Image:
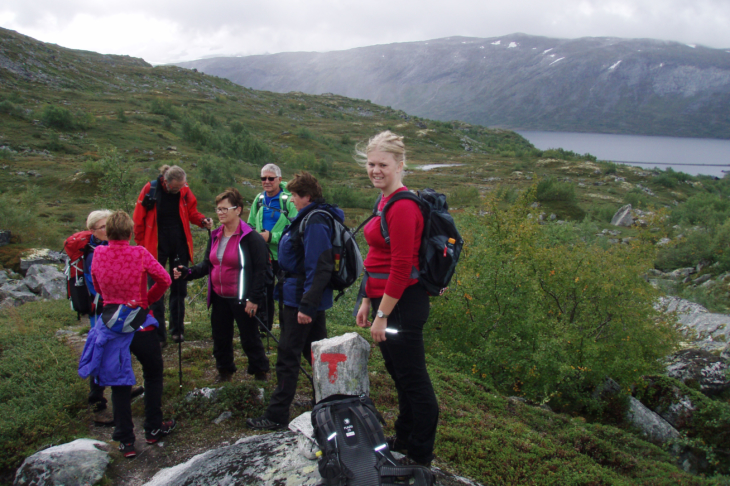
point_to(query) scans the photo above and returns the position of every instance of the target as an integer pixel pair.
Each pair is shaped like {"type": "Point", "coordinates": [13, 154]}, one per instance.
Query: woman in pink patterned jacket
{"type": "Point", "coordinates": [120, 273]}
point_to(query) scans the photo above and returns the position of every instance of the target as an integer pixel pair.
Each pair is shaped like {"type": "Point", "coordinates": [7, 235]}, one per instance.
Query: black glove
{"type": "Point", "coordinates": [184, 272]}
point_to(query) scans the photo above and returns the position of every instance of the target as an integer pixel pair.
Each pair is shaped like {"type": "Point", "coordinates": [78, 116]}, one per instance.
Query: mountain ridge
{"type": "Point", "coordinates": [518, 81]}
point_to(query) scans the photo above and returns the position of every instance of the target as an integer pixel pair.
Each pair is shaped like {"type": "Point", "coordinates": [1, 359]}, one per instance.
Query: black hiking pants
{"type": "Point", "coordinates": [146, 347]}
{"type": "Point", "coordinates": [295, 340]}
{"type": "Point", "coordinates": [405, 360]}
{"type": "Point", "coordinates": [223, 313]}
{"type": "Point", "coordinates": [172, 250]}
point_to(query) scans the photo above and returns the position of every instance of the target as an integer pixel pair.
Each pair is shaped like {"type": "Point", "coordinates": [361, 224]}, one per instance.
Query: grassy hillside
{"type": "Point", "coordinates": [61, 110]}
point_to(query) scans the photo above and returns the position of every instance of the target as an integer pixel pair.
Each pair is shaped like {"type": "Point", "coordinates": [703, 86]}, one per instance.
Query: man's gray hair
{"type": "Point", "coordinates": [271, 168]}
{"type": "Point", "coordinates": [173, 173]}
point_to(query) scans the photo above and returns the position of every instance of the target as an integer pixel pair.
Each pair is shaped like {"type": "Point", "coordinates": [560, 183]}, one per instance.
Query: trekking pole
{"type": "Point", "coordinates": [268, 331]}
{"type": "Point", "coordinates": [179, 343]}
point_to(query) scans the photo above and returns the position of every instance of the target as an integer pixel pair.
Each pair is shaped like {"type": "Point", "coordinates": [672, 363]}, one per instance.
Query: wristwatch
{"type": "Point", "coordinates": [380, 314]}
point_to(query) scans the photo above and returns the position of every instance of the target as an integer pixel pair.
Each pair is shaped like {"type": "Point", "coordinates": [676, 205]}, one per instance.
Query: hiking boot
{"type": "Point", "coordinates": [223, 377]}
{"type": "Point", "coordinates": [178, 338]}
{"type": "Point", "coordinates": [263, 423]}
{"type": "Point", "coordinates": [97, 407]}
{"type": "Point", "coordinates": [409, 461]}
{"type": "Point", "coordinates": [261, 376]}
{"type": "Point", "coordinates": [136, 391]}
{"type": "Point", "coordinates": [127, 450]}
{"type": "Point", "coordinates": [164, 430]}
{"type": "Point", "coordinates": [395, 444]}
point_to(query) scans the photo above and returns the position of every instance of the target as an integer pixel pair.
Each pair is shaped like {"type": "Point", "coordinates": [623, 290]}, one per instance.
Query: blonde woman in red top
{"type": "Point", "coordinates": [397, 302]}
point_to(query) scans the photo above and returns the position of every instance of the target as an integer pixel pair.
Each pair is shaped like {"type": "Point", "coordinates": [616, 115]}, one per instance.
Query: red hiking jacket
{"type": "Point", "coordinates": [145, 222]}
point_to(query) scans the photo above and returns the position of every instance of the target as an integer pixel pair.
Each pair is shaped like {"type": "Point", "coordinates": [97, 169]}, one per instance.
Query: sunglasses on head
{"type": "Point", "coordinates": [270, 179]}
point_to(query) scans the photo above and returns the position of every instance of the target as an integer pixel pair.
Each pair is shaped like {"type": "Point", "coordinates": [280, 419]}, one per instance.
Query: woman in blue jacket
{"type": "Point", "coordinates": [306, 257]}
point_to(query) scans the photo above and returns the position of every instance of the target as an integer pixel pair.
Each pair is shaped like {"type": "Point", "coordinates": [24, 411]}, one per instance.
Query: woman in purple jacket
{"type": "Point", "coordinates": [235, 261]}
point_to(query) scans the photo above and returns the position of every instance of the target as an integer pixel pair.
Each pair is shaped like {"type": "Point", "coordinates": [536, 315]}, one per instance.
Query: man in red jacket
{"type": "Point", "coordinates": [162, 216]}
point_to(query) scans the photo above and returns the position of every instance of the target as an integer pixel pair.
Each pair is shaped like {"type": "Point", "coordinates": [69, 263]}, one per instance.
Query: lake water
{"type": "Point", "coordinates": [691, 155]}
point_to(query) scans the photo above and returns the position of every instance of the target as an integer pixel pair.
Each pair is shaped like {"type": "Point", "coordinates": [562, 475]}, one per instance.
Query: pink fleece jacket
{"type": "Point", "coordinates": [120, 273]}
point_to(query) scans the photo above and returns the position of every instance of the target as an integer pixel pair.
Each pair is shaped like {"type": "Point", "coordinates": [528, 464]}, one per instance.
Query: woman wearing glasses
{"type": "Point", "coordinates": [235, 261]}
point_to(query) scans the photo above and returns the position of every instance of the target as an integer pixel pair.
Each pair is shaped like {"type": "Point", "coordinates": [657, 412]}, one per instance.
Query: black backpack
{"type": "Point", "coordinates": [354, 451]}
{"type": "Point", "coordinates": [347, 256]}
{"type": "Point", "coordinates": [441, 243]}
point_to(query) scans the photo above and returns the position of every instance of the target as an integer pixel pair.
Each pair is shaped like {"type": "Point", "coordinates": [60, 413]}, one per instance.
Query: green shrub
{"type": "Point", "coordinates": [464, 196]}
{"type": "Point", "coordinates": [164, 107]}
{"type": "Point", "coordinates": [118, 187]}
{"type": "Point", "coordinates": [550, 189]}
{"type": "Point", "coordinates": [57, 117]}
{"type": "Point", "coordinates": [507, 193]}
{"type": "Point", "coordinates": [637, 198]}
{"type": "Point", "coordinates": [121, 116]}
{"type": "Point", "coordinates": [538, 317]}
{"type": "Point", "coordinates": [304, 133]}
{"type": "Point", "coordinates": [603, 214]}
{"type": "Point", "coordinates": [9, 108]}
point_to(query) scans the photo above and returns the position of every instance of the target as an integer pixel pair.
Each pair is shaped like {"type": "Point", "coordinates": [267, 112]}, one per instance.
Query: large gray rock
{"type": "Point", "coordinates": [268, 459]}
{"type": "Point", "coordinates": [623, 217]}
{"type": "Point", "coordinates": [340, 366]}
{"type": "Point", "coordinates": [655, 428]}
{"type": "Point", "coordinates": [15, 293]}
{"type": "Point", "coordinates": [39, 256]}
{"type": "Point", "coordinates": [81, 462]}
{"type": "Point", "coordinates": [38, 276]}
{"type": "Point", "coordinates": [699, 368]}
{"type": "Point", "coordinates": [706, 330]}
{"type": "Point", "coordinates": [257, 460]}
{"type": "Point", "coordinates": [3, 277]}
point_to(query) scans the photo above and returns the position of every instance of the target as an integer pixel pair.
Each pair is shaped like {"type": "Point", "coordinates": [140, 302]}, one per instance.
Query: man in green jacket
{"type": "Point", "coordinates": [270, 214]}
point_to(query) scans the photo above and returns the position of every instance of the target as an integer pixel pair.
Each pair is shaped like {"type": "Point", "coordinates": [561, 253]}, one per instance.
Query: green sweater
{"type": "Point", "coordinates": [256, 217]}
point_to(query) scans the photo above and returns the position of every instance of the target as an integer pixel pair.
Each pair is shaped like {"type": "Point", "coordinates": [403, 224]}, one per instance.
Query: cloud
{"type": "Point", "coordinates": [167, 31]}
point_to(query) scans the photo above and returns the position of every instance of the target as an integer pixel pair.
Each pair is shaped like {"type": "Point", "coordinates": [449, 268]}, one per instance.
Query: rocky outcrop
{"type": "Point", "coordinates": [708, 331]}
{"type": "Point", "coordinates": [257, 460]}
{"type": "Point", "coordinates": [5, 237]}
{"type": "Point", "coordinates": [340, 366]}
{"type": "Point", "coordinates": [81, 462]}
{"type": "Point", "coordinates": [699, 368]}
{"type": "Point", "coordinates": [40, 256]}
{"type": "Point", "coordinates": [14, 293]}
{"type": "Point", "coordinates": [655, 428]}
{"type": "Point", "coordinates": [623, 217]}
{"type": "Point", "coordinates": [47, 281]}
{"type": "Point", "coordinates": [41, 282]}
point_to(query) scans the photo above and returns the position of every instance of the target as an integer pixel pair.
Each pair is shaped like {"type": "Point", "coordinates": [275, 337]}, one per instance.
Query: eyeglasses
{"type": "Point", "coordinates": [224, 210]}
{"type": "Point", "coordinates": [270, 179]}
{"type": "Point", "coordinates": [100, 228]}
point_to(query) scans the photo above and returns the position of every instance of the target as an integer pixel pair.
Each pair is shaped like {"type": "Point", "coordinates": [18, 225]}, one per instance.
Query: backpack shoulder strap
{"type": "Point", "coordinates": [259, 201]}
{"type": "Point", "coordinates": [153, 188]}
{"type": "Point", "coordinates": [374, 214]}
{"type": "Point", "coordinates": [283, 200]}
{"type": "Point", "coordinates": [305, 220]}
{"type": "Point", "coordinates": [398, 196]}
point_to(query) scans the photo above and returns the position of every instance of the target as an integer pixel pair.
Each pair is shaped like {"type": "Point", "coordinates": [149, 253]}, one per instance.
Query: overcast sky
{"type": "Point", "coordinates": [162, 31]}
